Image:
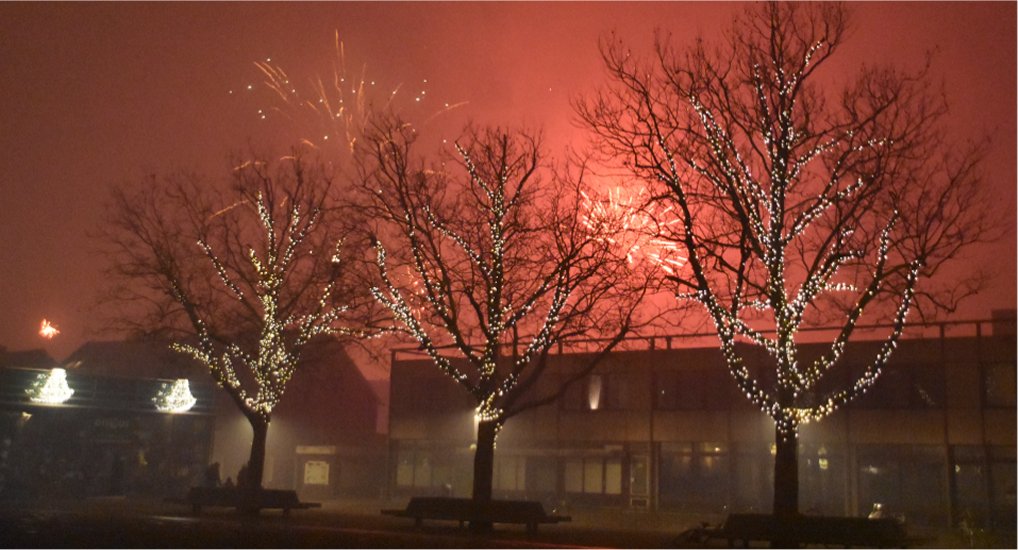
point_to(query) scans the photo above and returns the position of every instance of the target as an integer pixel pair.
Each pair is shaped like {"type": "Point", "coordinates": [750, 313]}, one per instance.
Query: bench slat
{"type": "Point", "coordinates": [525, 512]}
{"type": "Point", "coordinates": [232, 497]}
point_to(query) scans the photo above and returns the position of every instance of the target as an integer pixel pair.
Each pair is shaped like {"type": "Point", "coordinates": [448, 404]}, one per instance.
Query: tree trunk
{"type": "Point", "coordinates": [255, 468]}
{"type": "Point", "coordinates": [786, 472]}
{"type": "Point", "coordinates": [484, 468]}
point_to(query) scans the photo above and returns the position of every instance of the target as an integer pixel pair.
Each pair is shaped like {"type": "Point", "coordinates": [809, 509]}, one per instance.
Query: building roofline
{"type": "Point", "coordinates": [914, 331]}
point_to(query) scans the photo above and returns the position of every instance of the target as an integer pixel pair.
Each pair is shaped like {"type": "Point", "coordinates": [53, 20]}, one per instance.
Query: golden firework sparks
{"type": "Point", "coordinates": [635, 227]}
{"type": "Point", "coordinates": [336, 109]}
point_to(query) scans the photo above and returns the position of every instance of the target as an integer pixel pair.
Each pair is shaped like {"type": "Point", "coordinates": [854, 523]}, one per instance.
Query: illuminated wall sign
{"type": "Point", "coordinates": [50, 387]}
{"type": "Point", "coordinates": [175, 397]}
{"type": "Point", "coordinates": [316, 472]}
{"type": "Point", "coordinates": [316, 449]}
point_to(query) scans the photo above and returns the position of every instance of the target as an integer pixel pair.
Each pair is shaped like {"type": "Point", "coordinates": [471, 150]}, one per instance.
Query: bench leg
{"type": "Point", "coordinates": [418, 522]}
{"type": "Point", "coordinates": [532, 529]}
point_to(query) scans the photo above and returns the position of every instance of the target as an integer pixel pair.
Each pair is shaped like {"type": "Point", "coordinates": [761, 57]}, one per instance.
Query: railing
{"type": "Point", "coordinates": [973, 328]}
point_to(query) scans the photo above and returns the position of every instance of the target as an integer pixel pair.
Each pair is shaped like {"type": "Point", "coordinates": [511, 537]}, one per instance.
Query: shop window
{"type": "Point", "coordinates": [613, 477]}
{"type": "Point", "coordinates": [542, 474]}
{"type": "Point", "coordinates": [906, 480]}
{"type": "Point", "coordinates": [405, 470]}
{"type": "Point", "coordinates": [414, 468]}
{"type": "Point", "coordinates": [510, 473]}
{"type": "Point", "coordinates": [968, 476]}
{"type": "Point", "coordinates": [1002, 488]}
{"type": "Point", "coordinates": [694, 476]}
{"type": "Point", "coordinates": [594, 475]}
{"type": "Point", "coordinates": [574, 476]}
{"type": "Point", "coordinates": [753, 475]}
{"type": "Point", "coordinates": [422, 470]}
{"type": "Point", "coordinates": [822, 471]}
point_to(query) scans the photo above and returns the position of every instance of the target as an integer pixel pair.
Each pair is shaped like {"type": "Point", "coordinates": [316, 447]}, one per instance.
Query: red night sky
{"type": "Point", "coordinates": [98, 94]}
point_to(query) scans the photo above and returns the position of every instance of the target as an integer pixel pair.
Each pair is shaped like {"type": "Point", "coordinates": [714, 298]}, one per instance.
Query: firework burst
{"type": "Point", "coordinates": [334, 111]}
{"type": "Point", "coordinates": [635, 227]}
{"type": "Point", "coordinates": [48, 330]}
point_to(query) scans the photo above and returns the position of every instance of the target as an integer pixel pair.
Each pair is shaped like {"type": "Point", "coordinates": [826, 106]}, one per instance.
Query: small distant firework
{"type": "Point", "coordinates": [336, 110]}
{"type": "Point", "coordinates": [635, 227]}
{"type": "Point", "coordinates": [48, 330]}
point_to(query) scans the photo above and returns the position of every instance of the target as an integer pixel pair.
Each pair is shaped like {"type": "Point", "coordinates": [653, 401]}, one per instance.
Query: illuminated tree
{"type": "Point", "coordinates": [488, 266]}
{"type": "Point", "coordinates": [242, 278]}
{"type": "Point", "coordinates": [799, 198]}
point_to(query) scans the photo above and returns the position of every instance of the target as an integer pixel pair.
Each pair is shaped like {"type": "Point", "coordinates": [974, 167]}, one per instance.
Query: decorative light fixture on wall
{"type": "Point", "coordinates": [594, 387]}
{"type": "Point", "coordinates": [175, 397]}
{"type": "Point", "coordinates": [50, 387]}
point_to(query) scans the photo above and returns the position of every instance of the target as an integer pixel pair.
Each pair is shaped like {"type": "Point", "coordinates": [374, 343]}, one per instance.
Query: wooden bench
{"type": "Point", "coordinates": [249, 500]}
{"type": "Point", "coordinates": [464, 510]}
{"type": "Point", "coordinates": [802, 530]}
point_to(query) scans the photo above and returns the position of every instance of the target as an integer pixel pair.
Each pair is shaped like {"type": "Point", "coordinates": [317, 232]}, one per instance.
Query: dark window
{"type": "Point", "coordinates": [905, 480]}
{"type": "Point", "coordinates": [1002, 488]}
{"type": "Point", "coordinates": [753, 481]}
{"type": "Point", "coordinates": [427, 391]}
{"type": "Point", "coordinates": [575, 398]}
{"type": "Point", "coordinates": [906, 386]}
{"type": "Point", "coordinates": [999, 384]}
{"type": "Point", "coordinates": [694, 389]}
{"type": "Point", "coordinates": [969, 485]}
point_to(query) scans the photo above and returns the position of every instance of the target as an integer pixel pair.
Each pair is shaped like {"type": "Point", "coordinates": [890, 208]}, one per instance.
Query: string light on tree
{"type": "Point", "coordinates": [277, 261]}
{"type": "Point", "coordinates": [488, 282]}
{"type": "Point", "coordinates": [788, 205]}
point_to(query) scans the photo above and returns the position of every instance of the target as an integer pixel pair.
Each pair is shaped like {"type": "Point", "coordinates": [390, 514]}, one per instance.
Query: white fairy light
{"type": "Point", "coordinates": [281, 338]}
{"type": "Point", "coordinates": [425, 293]}
{"type": "Point", "coordinates": [50, 388]}
{"type": "Point", "coordinates": [772, 231]}
{"type": "Point", "coordinates": [175, 397]}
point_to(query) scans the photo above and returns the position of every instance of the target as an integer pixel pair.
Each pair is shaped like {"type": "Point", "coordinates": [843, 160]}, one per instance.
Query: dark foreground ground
{"type": "Point", "coordinates": [134, 523]}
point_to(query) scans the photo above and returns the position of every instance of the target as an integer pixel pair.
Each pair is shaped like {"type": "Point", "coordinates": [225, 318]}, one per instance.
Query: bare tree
{"type": "Point", "coordinates": [240, 277]}
{"type": "Point", "coordinates": [796, 196]}
{"type": "Point", "coordinates": [495, 262]}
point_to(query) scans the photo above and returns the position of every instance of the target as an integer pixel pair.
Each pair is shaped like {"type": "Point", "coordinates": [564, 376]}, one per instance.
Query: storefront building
{"type": "Point", "coordinates": [66, 433]}
{"type": "Point", "coordinates": [661, 426]}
